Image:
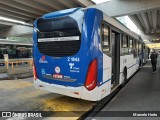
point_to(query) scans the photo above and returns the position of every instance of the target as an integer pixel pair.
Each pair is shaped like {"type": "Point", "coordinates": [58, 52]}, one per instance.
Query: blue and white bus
{"type": "Point", "coordinates": [83, 53]}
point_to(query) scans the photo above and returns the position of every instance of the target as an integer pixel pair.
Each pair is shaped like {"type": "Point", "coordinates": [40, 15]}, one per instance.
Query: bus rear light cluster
{"type": "Point", "coordinates": [34, 72]}
{"type": "Point", "coordinates": [91, 79]}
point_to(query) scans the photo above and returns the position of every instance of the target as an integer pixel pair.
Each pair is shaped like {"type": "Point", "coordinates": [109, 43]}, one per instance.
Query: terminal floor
{"type": "Point", "coordinates": [20, 95]}
{"type": "Point", "coordinates": [141, 93]}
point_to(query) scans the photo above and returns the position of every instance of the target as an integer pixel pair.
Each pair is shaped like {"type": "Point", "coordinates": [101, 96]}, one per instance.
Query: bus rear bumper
{"type": "Point", "coordinates": [76, 92]}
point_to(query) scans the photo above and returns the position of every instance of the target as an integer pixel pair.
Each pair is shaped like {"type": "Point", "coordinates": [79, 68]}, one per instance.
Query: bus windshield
{"type": "Point", "coordinates": [60, 27]}
{"type": "Point", "coordinates": [59, 37]}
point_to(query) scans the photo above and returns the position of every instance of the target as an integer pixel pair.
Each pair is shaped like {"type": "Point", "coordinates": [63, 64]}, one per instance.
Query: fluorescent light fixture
{"type": "Point", "coordinates": [145, 40]}
{"type": "Point", "coordinates": [100, 1]}
{"type": "Point", "coordinates": [11, 20]}
{"type": "Point", "coordinates": [154, 45]}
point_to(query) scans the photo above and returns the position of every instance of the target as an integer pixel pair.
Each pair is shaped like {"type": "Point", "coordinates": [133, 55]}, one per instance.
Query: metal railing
{"type": "Point", "coordinates": [17, 62]}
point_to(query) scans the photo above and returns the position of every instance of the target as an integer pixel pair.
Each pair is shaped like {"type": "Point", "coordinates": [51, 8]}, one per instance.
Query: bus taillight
{"type": "Point", "coordinates": [91, 79]}
{"type": "Point", "coordinates": [34, 72]}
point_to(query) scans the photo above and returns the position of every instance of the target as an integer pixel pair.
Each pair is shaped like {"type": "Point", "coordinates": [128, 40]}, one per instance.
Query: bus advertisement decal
{"type": "Point", "coordinates": [73, 68]}
{"type": "Point", "coordinates": [43, 60]}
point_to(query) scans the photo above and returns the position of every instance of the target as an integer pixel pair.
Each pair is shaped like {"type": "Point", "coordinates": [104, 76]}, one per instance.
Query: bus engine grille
{"type": "Point", "coordinates": [59, 48]}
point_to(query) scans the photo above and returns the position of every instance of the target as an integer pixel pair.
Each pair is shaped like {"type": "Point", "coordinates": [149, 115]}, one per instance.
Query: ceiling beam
{"type": "Point", "coordinates": [150, 21]}
{"type": "Point", "coordinates": [150, 37]}
{"type": "Point", "coordinates": [154, 20]}
{"type": "Point", "coordinates": [142, 23]}
{"type": "Point", "coordinates": [51, 3]}
{"type": "Point", "coordinates": [15, 10]}
{"type": "Point", "coordinates": [35, 5]}
{"type": "Point", "coordinates": [14, 17]}
{"type": "Point", "coordinates": [146, 22]}
{"type": "Point", "coordinates": [116, 8]}
{"type": "Point", "coordinates": [84, 3]}
{"type": "Point", "coordinates": [158, 20]}
{"type": "Point", "coordinates": [21, 6]}
{"type": "Point", "coordinates": [67, 3]}
{"type": "Point", "coordinates": [136, 21]}
{"type": "Point", "coordinates": [17, 15]}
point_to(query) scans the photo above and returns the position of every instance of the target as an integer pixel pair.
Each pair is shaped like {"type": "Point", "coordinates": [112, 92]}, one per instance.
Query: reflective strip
{"type": "Point", "coordinates": [59, 39]}
{"type": "Point", "coordinates": [104, 82]}
{"type": "Point", "coordinates": [132, 65]}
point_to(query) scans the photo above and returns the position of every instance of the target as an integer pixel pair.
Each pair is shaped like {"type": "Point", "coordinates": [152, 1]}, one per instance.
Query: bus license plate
{"type": "Point", "coordinates": [57, 76]}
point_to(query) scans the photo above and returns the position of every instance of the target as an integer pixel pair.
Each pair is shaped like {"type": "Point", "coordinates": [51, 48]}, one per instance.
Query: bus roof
{"type": "Point", "coordinates": [60, 13]}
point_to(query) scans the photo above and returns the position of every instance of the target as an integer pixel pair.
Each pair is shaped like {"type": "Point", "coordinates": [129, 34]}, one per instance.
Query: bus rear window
{"type": "Point", "coordinates": [58, 37]}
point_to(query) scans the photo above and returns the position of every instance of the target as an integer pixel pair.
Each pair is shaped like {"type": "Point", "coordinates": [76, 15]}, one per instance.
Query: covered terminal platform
{"type": "Point", "coordinates": [138, 99]}
{"type": "Point", "coordinates": [140, 95]}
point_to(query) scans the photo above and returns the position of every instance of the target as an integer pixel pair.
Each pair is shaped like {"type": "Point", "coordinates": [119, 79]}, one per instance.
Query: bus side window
{"type": "Point", "coordinates": [137, 48]}
{"type": "Point", "coordinates": [130, 45]}
{"type": "Point", "coordinates": [105, 40]}
{"type": "Point", "coordinates": [140, 48]}
{"type": "Point", "coordinates": [134, 48]}
{"type": "Point", "coordinates": [124, 45]}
